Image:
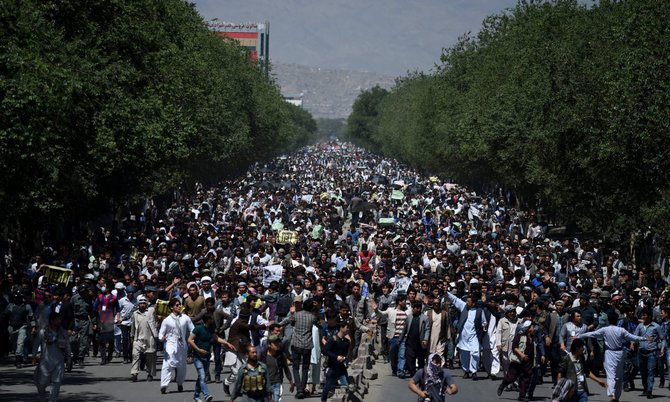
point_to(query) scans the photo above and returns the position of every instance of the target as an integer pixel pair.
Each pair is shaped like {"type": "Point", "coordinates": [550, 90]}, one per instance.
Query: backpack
{"type": "Point", "coordinates": [284, 302]}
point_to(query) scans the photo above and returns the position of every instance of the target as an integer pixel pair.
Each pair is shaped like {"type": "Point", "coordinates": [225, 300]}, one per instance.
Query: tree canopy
{"type": "Point", "coordinates": [111, 100]}
{"type": "Point", "coordinates": [556, 100]}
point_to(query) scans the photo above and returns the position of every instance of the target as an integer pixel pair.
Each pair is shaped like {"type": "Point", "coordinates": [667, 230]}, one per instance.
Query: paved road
{"type": "Point", "coordinates": [392, 389]}
{"type": "Point", "coordinates": [107, 384]}
{"type": "Point", "coordinates": [111, 383]}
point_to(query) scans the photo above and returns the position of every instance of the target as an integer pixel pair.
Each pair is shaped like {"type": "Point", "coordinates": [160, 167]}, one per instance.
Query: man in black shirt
{"type": "Point", "coordinates": [277, 367]}
{"type": "Point", "coordinates": [415, 336]}
{"type": "Point", "coordinates": [337, 349]}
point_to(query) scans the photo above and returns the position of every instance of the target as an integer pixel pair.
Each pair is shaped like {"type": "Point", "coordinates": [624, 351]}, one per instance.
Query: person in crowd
{"type": "Point", "coordinates": [505, 337]}
{"type": "Point", "coordinates": [82, 304]}
{"type": "Point", "coordinates": [42, 311]}
{"type": "Point", "coordinates": [143, 336]}
{"type": "Point", "coordinates": [19, 314]}
{"type": "Point", "coordinates": [240, 337]}
{"type": "Point", "coordinates": [439, 325]}
{"type": "Point", "coordinates": [385, 301]}
{"type": "Point", "coordinates": [55, 352]}
{"type": "Point", "coordinates": [555, 326]}
{"type": "Point", "coordinates": [522, 359]}
{"type": "Point", "coordinates": [433, 381]}
{"type": "Point", "coordinates": [471, 328]}
{"type": "Point", "coordinates": [571, 329]}
{"type": "Point", "coordinates": [650, 349]}
{"type": "Point", "coordinates": [573, 367]}
{"type": "Point", "coordinates": [336, 351]}
{"type": "Point", "coordinates": [302, 320]}
{"type": "Point", "coordinates": [615, 340]}
{"type": "Point", "coordinates": [277, 365]}
{"type": "Point", "coordinates": [126, 307]}
{"type": "Point", "coordinates": [276, 232]}
{"type": "Point", "coordinates": [194, 303]}
{"type": "Point", "coordinates": [629, 322]}
{"type": "Point", "coordinates": [62, 305]}
{"type": "Point", "coordinates": [252, 380]}
{"type": "Point", "coordinates": [201, 339]}
{"type": "Point", "coordinates": [490, 354]}
{"type": "Point", "coordinates": [174, 331]}
{"type": "Point", "coordinates": [415, 335]}
{"type": "Point", "coordinates": [315, 368]}
{"type": "Point", "coordinates": [105, 307]}
{"type": "Point", "coordinates": [397, 318]}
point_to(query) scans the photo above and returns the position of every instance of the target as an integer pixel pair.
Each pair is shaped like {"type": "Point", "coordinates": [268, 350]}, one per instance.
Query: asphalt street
{"type": "Point", "coordinates": [112, 383]}
{"type": "Point", "coordinates": [393, 389]}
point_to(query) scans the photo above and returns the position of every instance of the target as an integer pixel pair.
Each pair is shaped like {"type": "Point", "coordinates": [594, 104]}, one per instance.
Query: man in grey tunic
{"type": "Point", "coordinates": [55, 345]}
{"type": "Point", "coordinates": [615, 340]}
{"type": "Point", "coordinates": [143, 335]}
{"type": "Point", "coordinates": [571, 329]}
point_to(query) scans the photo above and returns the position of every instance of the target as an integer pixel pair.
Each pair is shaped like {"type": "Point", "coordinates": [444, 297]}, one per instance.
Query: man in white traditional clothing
{"type": "Point", "coordinates": [615, 341]}
{"type": "Point", "coordinates": [471, 325]}
{"type": "Point", "coordinates": [143, 334]}
{"type": "Point", "coordinates": [174, 331]}
{"type": "Point", "coordinates": [55, 344]}
{"type": "Point", "coordinates": [490, 354]}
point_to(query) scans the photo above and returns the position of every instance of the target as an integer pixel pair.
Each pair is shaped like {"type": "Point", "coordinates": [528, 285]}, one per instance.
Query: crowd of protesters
{"type": "Point", "coordinates": [447, 277]}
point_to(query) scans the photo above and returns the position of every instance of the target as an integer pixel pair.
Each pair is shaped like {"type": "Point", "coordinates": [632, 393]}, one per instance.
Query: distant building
{"type": "Point", "coordinates": [253, 36]}
{"type": "Point", "coordinates": [294, 99]}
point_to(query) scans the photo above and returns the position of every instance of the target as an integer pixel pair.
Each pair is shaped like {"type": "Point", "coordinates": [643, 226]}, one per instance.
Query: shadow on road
{"type": "Point", "coordinates": [70, 397]}
{"type": "Point", "coordinates": [24, 377]}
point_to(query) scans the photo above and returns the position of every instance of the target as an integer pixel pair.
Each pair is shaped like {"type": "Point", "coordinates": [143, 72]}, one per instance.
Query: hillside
{"type": "Point", "coordinates": [326, 93]}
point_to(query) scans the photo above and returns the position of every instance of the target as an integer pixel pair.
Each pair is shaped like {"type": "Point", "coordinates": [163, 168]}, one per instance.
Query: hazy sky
{"type": "Point", "coordinates": [384, 36]}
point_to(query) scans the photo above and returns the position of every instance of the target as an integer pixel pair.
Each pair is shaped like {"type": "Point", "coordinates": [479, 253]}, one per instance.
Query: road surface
{"type": "Point", "coordinates": [112, 383]}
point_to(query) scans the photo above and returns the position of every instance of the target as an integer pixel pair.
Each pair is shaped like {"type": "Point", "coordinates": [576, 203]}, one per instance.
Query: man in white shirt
{"type": "Point", "coordinates": [175, 330]}
{"type": "Point", "coordinates": [126, 307]}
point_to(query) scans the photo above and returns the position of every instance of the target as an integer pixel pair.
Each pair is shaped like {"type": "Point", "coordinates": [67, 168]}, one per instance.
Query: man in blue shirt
{"type": "Point", "coordinates": [649, 350]}
{"type": "Point", "coordinates": [354, 233]}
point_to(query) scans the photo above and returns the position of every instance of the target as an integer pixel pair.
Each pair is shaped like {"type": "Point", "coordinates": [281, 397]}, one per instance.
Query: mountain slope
{"type": "Point", "coordinates": [326, 93]}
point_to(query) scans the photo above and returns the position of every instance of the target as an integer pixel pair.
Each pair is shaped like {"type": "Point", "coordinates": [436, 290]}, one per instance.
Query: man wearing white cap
{"type": "Point", "coordinates": [143, 334]}
{"type": "Point", "coordinates": [206, 290]}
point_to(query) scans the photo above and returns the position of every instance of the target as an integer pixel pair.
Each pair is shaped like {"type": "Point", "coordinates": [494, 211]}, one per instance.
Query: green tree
{"type": "Point", "coordinates": [363, 121]}
{"type": "Point", "coordinates": [556, 100]}
{"type": "Point", "coordinates": [109, 101]}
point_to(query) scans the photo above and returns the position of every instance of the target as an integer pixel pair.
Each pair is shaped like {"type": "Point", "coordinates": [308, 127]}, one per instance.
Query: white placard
{"type": "Point", "coordinates": [272, 273]}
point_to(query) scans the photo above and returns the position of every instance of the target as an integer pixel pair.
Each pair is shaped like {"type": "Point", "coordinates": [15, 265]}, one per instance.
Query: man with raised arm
{"type": "Point", "coordinates": [615, 339]}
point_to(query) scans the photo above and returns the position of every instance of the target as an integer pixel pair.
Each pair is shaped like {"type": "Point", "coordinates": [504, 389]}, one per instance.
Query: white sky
{"type": "Point", "coordinates": [383, 36]}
